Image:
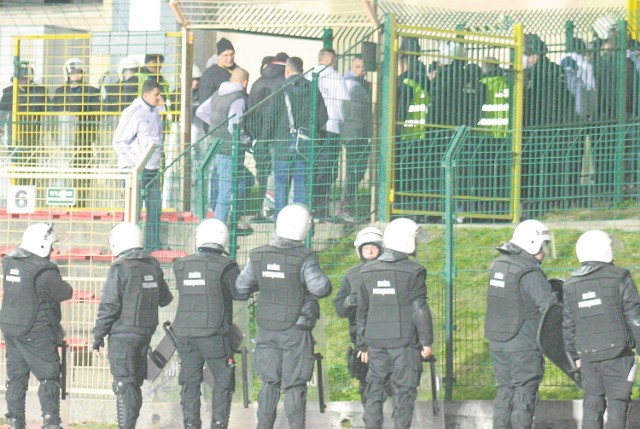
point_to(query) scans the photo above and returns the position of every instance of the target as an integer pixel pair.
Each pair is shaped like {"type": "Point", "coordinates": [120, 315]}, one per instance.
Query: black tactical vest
{"type": "Point", "coordinates": [389, 322]}
{"type": "Point", "coordinates": [141, 295]}
{"type": "Point", "coordinates": [201, 308]}
{"type": "Point", "coordinates": [281, 288]}
{"type": "Point", "coordinates": [601, 332]}
{"type": "Point", "coordinates": [220, 106]}
{"type": "Point", "coordinates": [20, 302]}
{"type": "Point", "coordinates": [355, 281]}
{"type": "Point", "coordinates": [505, 312]}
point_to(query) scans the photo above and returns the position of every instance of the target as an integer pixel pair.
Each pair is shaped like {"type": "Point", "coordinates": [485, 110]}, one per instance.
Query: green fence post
{"type": "Point", "coordinates": [387, 118]}
{"type": "Point", "coordinates": [201, 172]}
{"type": "Point", "coordinates": [312, 153]}
{"type": "Point", "coordinates": [568, 35]}
{"type": "Point", "coordinates": [449, 263]}
{"type": "Point", "coordinates": [233, 204]}
{"type": "Point", "coordinates": [621, 111]}
{"type": "Point", "coordinates": [327, 38]}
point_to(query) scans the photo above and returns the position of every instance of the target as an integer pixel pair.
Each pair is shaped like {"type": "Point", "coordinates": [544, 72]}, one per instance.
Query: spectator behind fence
{"type": "Point", "coordinates": [128, 314]}
{"type": "Point", "coordinates": [581, 82]}
{"type": "Point", "coordinates": [152, 71]}
{"type": "Point", "coordinates": [140, 126]}
{"type": "Point", "coordinates": [292, 111]}
{"type": "Point", "coordinates": [263, 123]}
{"type": "Point", "coordinates": [518, 294]}
{"type": "Point", "coordinates": [122, 93]}
{"type": "Point", "coordinates": [220, 71]}
{"type": "Point", "coordinates": [78, 104]}
{"type": "Point", "coordinates": [227, 106]}
{"type": "Point", "coordinates": [334, 92]}
{"type": "Point", "coordinates": [357, 130]}
{"type": "Point", "coordinates": [32, 98]}
{"type": "Point", "coordinates": [30, 321]}
{"type": "Point", "coordinates": [290, 281]}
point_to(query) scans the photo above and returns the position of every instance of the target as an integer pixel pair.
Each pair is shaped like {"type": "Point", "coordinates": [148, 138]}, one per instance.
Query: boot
{"type": "Point", "coordinates": [14, 423]}
{"type": "Point", "coordinates": [49, 423]}
{"type": "Point", "coordinates": [122, 412]}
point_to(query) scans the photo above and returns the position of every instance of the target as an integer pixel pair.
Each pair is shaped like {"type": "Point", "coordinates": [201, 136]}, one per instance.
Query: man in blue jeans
{"type": "Point", "coordinates": [293, 113]}
{"type": "Point", "coordinates": [139, 126]}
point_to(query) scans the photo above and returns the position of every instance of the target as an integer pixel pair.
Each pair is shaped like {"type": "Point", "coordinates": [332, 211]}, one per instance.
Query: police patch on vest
{"type": "Point", "coordinates": [149, 283]}
{"type": "Point", "coordinates": [589, 300]}
{"type": "Point", "coordinates": [195, 279]}
{"type": "Point", "coordinates": [497, 280]}
{"type": "Point", "coordinates": [273, 272]}
{"type": "Point", "coordinates": [383, 291]}
{"type": "Point", "coordinates": [13, 276]}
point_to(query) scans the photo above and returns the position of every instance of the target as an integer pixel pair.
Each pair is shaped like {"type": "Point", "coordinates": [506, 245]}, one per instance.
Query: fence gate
{"type": "Point", "coordinates": [441, 79]}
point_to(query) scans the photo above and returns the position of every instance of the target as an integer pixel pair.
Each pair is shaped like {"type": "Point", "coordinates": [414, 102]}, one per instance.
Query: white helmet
{"type": "Point", "coordinates": [402, 235]}
{"type": "Point", "coordinates": [594, 246]}
{"type": "Point", "coordinates": [128, 63]}
{"type": "Point", "coordinates": [196, 73]}
{"type": "Point", "coordinates": [25, 71]}
{"type": "Point", "coordinates": [603, 25]}
{"type": "Point", "coordinates": [212, 233]}
{"type": "Point", "coordinates": [368, 235]}
{"type": "Point", "coordinates": [530, 235]}
{"type": "Point", "coordinates": [293, 222]}
{"type": "Point", "coordinates": [38, 239]}
{"type": "Point", "coordinates": [71, 65]}
{"type": "Point", "coordinates": [125, 236]}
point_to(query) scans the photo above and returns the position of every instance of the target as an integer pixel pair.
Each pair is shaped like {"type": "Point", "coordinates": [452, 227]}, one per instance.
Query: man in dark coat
{"type": "Point", "coordinates": [220, 72]}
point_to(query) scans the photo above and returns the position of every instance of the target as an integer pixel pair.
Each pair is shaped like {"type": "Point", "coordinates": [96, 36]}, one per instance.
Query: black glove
{"type": "Point", "coordinates": [97, 344]}
{"type": "Point", "coordinates": [351, 300]}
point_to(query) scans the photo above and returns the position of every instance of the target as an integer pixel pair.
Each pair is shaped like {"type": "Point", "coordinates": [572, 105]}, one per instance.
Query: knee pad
{"type": "Point", "coordinates": [269, 395]}
{"type": "Point", "coordinates": [22, 381]}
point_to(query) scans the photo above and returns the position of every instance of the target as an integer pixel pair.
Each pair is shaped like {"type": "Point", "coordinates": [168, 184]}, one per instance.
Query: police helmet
{"type": "Point", "coordinates": [293, 222]}
{"type": "Point", "coordinates": [73, 66]}
{"type": "Point", "coordinates": [368, 235]}
{"type": "Point", "coordinates": [530, 235]}
{"type": "Point", "coordinates": [25, 71]}
{"type": "Point", "coordinates": [594, 246]}
{"type": "Point", "coordinates": [212, 233]}
{"type": "Point", "coordinates": [402, 235]}
{"type": "Point", "coordinates": [38, 239]}
{"type": "Point", "coordinates": [451, 51]}
{"type": "Point", "coordinates": [128, 63]}
{"type": "Point", "coordinates": [125, 236]}
{"type": "Point", "coordinates": [196, 73]}
{"type": "Point", "coordinates": [602, 26]}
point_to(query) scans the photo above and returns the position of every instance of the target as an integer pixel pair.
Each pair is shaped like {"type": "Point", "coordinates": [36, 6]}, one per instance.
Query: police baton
{"type": "Point", "coordinates": [166, 326]}
{"type": "Point", "coordinates": [63, 370]}
{"type": "Point", "coordinates": [245, 378]}
{"type": "Point", "coordinates": [321, 403]}
{"type": "Point", "coordinates": [434, 388]}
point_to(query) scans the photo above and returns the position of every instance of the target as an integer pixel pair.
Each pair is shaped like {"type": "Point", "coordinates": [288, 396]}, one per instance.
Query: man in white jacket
{"type": "Point", "coordinates": [140, 125]}
{"type": "Point", "coordinates": [334, 92]}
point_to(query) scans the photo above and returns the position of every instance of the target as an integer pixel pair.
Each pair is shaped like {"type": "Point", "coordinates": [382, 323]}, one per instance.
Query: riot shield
{"type": "Point", "coordinates": [551, 341]}
{"type": "Point", "coordinates": [158, 358]}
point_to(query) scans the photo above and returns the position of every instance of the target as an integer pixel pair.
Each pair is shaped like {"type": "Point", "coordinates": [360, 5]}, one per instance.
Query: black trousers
{"type": "Point", "coordinates": [194, 352]}
{"type": "Point", "coordinates": [283, 361]}
{"type": "Point", "coordinates": [403, 367]}
{"type": "Point", "coordinates": [607, 385]}
{"type": "Point", "coordinates": [518, 375]}
{"type": "Point", "coordinates": [128, 363]}
{"type": "Point", "coordinates": [36, 353]}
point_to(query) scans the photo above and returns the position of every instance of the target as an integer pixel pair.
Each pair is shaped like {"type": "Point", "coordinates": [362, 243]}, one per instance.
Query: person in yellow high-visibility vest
{"type": "Point", "coordinates": [495, 110]}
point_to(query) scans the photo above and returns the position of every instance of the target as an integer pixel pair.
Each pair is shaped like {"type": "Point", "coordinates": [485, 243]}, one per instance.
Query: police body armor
{"type": "Point", "coordinates": [281, 289]}
{"type": "Point", "coordinates": [201, 307]}
{"type": "Point", "coordinates": [220, 106]}
{"type": "Point", "coordinates": [389, 319]}
{"type": "Point", "coordinates": [20, 302]}
{"type": "Point", "coordinates": [592, 296]}
{"type": "Point", "coordinates": [355, 281]}
{"type": "Point", "coordinates": [141, 295]}
{"type": "Point", "coordinates": [505, 312]}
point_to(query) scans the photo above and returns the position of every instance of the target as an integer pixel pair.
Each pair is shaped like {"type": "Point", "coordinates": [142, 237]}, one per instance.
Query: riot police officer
{"type": "Point", "coordinates": [518, 293]}
{"type": "Point", "coordinates": [601, 325]}
{"type": "Point", "coordinates": [30, 323]}
{"type": "Point", "coordinates": [128, 314]}
{"type": "Point", "coordinates": [205, 282]}
{"type": "Point", "coordinates": [394, 327]}
{"type": "Point", "coordinates": [368, 244]}
{"type": "Point", "coordinates": [290, 281]}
